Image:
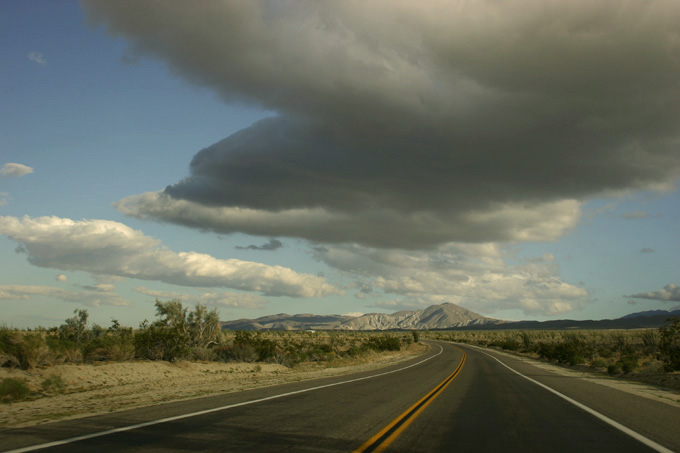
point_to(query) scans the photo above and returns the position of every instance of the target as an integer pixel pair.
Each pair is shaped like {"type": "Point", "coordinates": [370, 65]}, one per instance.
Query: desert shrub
{"type": "Point", "coordinates": [416, 336]}
{"type": "Point", "coordinates": [203, 326]}
{"type": "Point", "coordinates": [160, 343]}
{"type": "Point", "coordinates": [176, 331]}
{"type": "Point", "coordinates": [115, 343]}
{"type": "Point", "coordinates": [650, 341]}
{"type": "Point", "coordinates": [9, 339]}
{"type": "Point", "coordinates": [64, 350]}
{"type": "Point", "coordinates": [509, 344]}
{"type": "Point", "coordinates": [354, 351]}
{"type": "Point", "coordinates": [614, 368]}
{"type": "Point", "coordinates": [202, 354]}
{"type": "Point", "coordinates": [265, 349]}
{"type": "Point", "coordinates": [236, 353]}
{"type": "Point", "coordinates": [23, 350]}
{"type": "Point", "coordinates": [12, 390]}
{"type": "Point", "coordinates": [384, 343]}
{"type": "Point", "coordinates": [599, 363]}
{"type": "Point", "coordinates": [108, 347]}
{"type": "Point", "coordinates": [323, 347]}
{"type": "Point", "coordinates": [669, 344]}
{"type": "Point", "coordinates": [53, 384]}
{"type": "Point", "coordinates": [629, 363]}
{"type": "Point", "coordinates": [75, 329]}
{"type": "Point", "coordinates": [283, 358]}
{"type": "Point", "coordinates": [571, 349]}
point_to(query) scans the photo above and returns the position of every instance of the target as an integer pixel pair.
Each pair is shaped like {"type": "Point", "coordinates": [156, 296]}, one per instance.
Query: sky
{"type": "Point", "coordinates": [519, 158]}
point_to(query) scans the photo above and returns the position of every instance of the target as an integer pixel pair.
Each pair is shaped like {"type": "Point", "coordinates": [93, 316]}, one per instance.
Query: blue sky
{"type": "Point", "coordinates": [384, 176]}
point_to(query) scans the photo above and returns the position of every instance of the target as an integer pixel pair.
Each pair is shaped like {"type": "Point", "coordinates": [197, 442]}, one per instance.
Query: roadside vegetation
{"type": "Point", "coordinates": [645, 354]}
{"type": "Point", "coordinates": [177, 333]}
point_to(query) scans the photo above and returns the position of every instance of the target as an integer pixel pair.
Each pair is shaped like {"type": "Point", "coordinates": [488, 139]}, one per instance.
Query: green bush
{"type": "Point", "coordinates": [53, 384]}
{"type": "Point", "coordinates": [160, 343]}
{"type": "Point", "coordinates": [599, 363]}
{"type": "Point", "coordinates": [64, 350]}
{"type": "Point", "coordinates": [108, 347]}
{"type": "Point", "coordinates": [23, 350]}
{"type": "Point", "coordinates": [669, 344]}
{"type": "Point", "coordinates": [236, 353]}
{"type": "Point", "coordinates": [12, 390]}
{"type": "Point", "coordinates": [384, 343]}
{"type": "Point", "coordinates": [202, 354]}
{"type": "Point", "coordinates": [75, 329]}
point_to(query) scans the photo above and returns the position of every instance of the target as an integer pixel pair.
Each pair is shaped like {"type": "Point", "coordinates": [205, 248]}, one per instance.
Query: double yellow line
{"type": "Point", "coordinates": [389, 433]}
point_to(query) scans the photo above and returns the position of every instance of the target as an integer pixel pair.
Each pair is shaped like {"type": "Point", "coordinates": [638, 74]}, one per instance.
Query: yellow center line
{"type": "Point", "coordinates": [381, 440]}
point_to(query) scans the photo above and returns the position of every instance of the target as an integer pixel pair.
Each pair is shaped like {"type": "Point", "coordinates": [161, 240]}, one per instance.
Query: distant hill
{"type": "Point", "coordinates": [285, 321]}
{"type": "Point", "coordinates": [641, 320]}
{"type": "Point", "coordinates": [444, 316]}
{"type": "Point", "coordinates": [650, 313]}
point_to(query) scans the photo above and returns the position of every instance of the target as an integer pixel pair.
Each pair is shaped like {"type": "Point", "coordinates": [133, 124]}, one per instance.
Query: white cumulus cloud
{"type": "Point", "coordinates": [112, 248]}
{"type": "Point", "coordinates": [475, 276]}
{"type": "Point", "coordinates": [14, 170]}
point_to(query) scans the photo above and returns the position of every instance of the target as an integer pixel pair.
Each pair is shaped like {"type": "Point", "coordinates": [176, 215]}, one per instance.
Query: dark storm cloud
{"type": "Point", "coordinates": [416, 123]}
{"type": "Point", "coordinates": [273, 244]}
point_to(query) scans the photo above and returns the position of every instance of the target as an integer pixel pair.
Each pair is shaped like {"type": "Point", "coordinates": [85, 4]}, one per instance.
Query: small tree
{"type": "Point", "coordinates": [176, 331]}
{"type": "Point", "coordinates": [203, 326]}
{"type": "Point", "coordinates": [75, 329]}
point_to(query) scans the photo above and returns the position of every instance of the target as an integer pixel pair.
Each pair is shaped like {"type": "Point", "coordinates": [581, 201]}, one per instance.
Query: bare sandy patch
{"type": "Point", "coordinates": [109, 387]}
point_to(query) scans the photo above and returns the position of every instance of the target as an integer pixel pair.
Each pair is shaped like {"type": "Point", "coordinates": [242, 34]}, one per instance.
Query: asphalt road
{"type": "Point", "coordinates": [459, 399]}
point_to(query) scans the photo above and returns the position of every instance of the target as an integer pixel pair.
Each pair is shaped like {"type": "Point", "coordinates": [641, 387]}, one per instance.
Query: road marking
{"type": "Point", "coordinates": [207, 411]}
{"type": "Point", "coordinates": [381, 440]}
{"type": "Point", "coordinates": [637, 436]}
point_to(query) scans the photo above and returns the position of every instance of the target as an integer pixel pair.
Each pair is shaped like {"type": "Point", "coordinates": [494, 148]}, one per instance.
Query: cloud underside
{"type": "Point", "coordinates": [110, 248]}
{"type": "Point", "coordinates": [475, 276]}
{"type": "Point", "coordinates": [378, 227]}
{"type": "Point", "coordinates": [444, 121]}
{"type": "Point", "coordinates": [273, 244]}
{"type": "Point", "coordinates": [669, 293]}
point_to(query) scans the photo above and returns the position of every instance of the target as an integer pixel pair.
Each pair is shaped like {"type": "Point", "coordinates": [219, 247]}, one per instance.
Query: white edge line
{"type": "Point", "coordinates": [637, 436]}
{"type": "Point", "coordinates": [207, 411]}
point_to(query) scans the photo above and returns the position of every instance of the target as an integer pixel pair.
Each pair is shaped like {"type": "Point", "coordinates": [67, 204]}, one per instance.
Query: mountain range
{"type": "Point", "coordinates": [444, 316]}
{"type": "Point", "coordinates": [438, 317]}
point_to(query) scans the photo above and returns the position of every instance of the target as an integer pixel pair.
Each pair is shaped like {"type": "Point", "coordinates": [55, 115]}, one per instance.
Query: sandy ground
{"type": "Point", "coordinates": [108, 387]}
